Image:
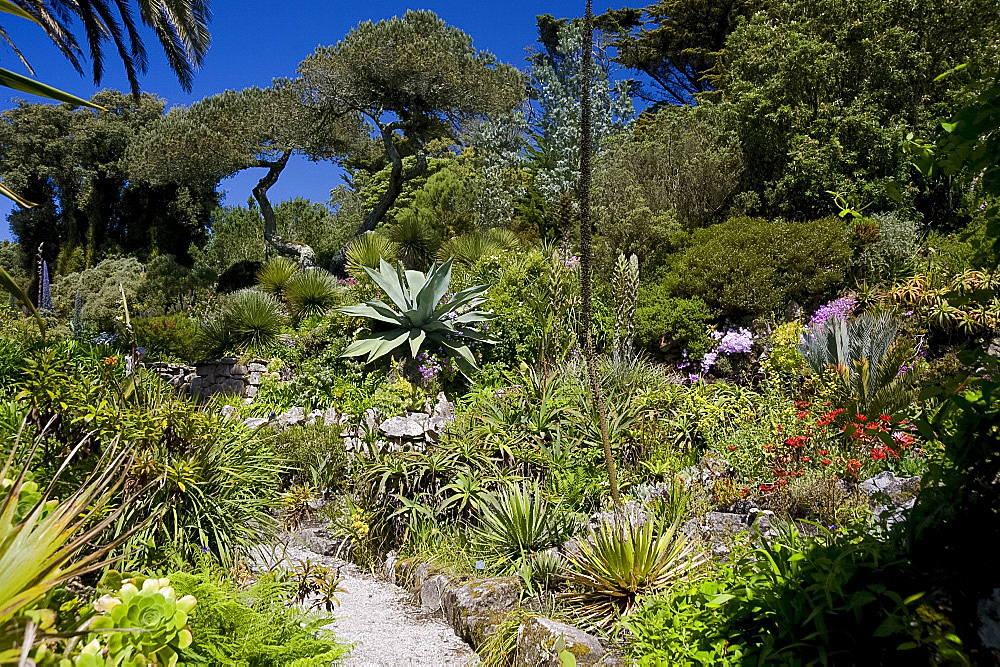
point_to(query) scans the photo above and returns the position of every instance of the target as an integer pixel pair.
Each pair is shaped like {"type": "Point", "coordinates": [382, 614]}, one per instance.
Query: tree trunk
{"type": "Point", "coordinates": [586, 295]}
{"type": "Point", "coordinates": [397, 177]}
{"type": "Point", "coordinates": [300, 252]}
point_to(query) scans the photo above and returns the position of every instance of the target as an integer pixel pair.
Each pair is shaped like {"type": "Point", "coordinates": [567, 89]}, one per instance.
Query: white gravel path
{"type": "Point", "coordinates": [384, 626]}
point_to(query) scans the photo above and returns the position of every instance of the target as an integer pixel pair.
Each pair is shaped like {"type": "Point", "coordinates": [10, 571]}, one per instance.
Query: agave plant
{"type": "Point", "coordinates": [419, 316]}
{"type": "Point", "coordinates": [368, 250]}
{"type": "Point", "coordinates": [518, 522]}
{"type": "Point", "coordinates": [622, 561]}
{"type": "Point", "coordinates": [311, 292]}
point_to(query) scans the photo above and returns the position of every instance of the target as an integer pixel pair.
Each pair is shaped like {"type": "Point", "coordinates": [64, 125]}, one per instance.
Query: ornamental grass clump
{"type": "Point", "coordinates": [623, 561]}
{"type": "Point", "coordinates": [311, 292]}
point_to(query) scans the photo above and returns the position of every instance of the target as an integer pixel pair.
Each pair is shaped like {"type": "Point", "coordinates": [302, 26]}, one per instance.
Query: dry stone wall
{"type": "Point", "coordinates": [228, 375]}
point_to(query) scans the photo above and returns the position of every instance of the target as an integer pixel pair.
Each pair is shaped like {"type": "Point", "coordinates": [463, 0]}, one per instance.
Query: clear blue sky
{"type": "Point", "coordinates": [254, 41]}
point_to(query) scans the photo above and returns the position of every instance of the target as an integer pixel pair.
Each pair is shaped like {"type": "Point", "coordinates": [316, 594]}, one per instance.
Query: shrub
{"type": "Point", "coordinates": [785, 358]}
{"type": "Point", "coordinates": [314, 453]}
{"type": "Point", "coordinates": [670, 324]}
{"type": "Point", "coordinates": [274, 276]}
{"type": "Point", "coordinates": [256, 626]}
{"type": "Point", "coordinates": [311, 292]}
{"type": "Point", "coordinates": [368, 250]}
{"type": "Point", "coordinates": [747, 267]}
{"type": "Point", "coordinates": [99, 287]}
{"type": "Point", "coordinates": [167, 338]}
{"type": "Point", "coordinates": [239, 276]}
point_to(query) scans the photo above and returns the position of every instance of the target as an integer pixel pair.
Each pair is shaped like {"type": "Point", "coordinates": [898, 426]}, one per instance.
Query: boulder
{"type": "Point", "coordinates": [476, 609]}
{"type": "Point", "coordinates": [229, 411]}
{"type": "Point", "coordinates": [238, 370]}
{"type": "Point", "coordinates": [632, 510]}
{"type": "Point", "coordinates": [316, 538]}
{"type": "Point", "coordinates": [371, 419]}
{"type": "Point", "coordinates": [251, 391]}
{"type": "Point", "coordinates": [886, 482]}
{"type": "Point", "coordinates": [295, 416]}
{"type": "Point", "coordinates": [401, 427]}
{"type": "Point", "coordinates": [444, 408]}
{"type": "Point", "coordinates": [540, 641]}
{"type": "Point", "coordinates": [257, 367]}
{"type": "Point", "coordinates": [254, 423]}
{"type": "Point", "coordinates": [331, 417]}
{"type": "Point", "coordinates": [313, 416]}
{"type": "Point", "coordinates": [431, 591]}
{"type": "Point", "coordinates": [570, 548]}
{"type": "Point", "coordinates": [435, 428]}
{"type": "Point", "coordinates": [988, 613]}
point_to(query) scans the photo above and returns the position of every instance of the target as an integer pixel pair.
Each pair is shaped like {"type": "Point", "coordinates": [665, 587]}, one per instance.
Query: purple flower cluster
{"type": "Point", "coordinates": [734, 342]}
{"type": "Point", "coordinates": [347, 282]}
{"type": "Point", "coordinates": [708, 361]}
{"type": "Point", "coordinates": [839, 308]}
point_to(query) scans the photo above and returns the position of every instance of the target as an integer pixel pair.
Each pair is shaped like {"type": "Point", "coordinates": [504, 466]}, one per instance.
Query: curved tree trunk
{"type": "Point", "coordinates": [397, 177]}
{"type": "Point", "coordinates": [586, 295]}
{"type": "Point", "coordinates": [304, 255]}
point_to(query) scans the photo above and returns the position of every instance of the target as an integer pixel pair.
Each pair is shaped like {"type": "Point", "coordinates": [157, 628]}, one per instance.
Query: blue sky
{"type": "Point", "coordinates": [252, 43]}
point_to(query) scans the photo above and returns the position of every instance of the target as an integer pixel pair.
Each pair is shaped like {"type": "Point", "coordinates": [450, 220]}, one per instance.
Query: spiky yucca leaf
{"type": "Point", "coordinates": [311, 292]}
{"type": "Point", "coordinates": [249, 324]}
{"type": "Point", "coordinates": [11, 286]}
{"type": "Point", "coordinates": [621, 562]}
{"type": "Point", "coordinates": [468, 249]}
{"type": "Point", "coordinates": [416, 241]}
{"type": "Point", "coordinates": [368, 250]}
{"type": "Point", "coordinates": [274, 276]}
{"type": "Point", "coordinates": [518, 522]}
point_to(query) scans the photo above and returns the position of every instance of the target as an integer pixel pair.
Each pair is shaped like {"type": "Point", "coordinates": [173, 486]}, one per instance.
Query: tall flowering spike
{"type": "Point", "coordinates": [46, 290]}
{"type": "Point", "coordinates": [626, 287]}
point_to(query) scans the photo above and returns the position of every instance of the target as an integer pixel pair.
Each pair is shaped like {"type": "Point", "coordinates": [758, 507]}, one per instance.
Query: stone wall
{"type": "Point", "coordinates": [207, 378]}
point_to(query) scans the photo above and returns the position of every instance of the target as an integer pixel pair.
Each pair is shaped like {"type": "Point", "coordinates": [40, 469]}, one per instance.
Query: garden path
{"type": "Point", "coordinates": [382, 623]}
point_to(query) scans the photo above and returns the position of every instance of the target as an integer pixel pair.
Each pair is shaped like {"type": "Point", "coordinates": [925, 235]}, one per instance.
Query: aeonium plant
{"type": "Point", "coordinates": [419, 315]}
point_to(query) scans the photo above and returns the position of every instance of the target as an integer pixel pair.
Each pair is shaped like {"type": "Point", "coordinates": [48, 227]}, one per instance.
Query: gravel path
{"type": "Point", "coordinates": [384, 626]}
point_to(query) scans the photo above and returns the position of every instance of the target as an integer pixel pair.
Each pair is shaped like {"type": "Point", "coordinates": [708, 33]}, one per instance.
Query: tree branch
{"type": "Point", "coordinates": [302, 253]}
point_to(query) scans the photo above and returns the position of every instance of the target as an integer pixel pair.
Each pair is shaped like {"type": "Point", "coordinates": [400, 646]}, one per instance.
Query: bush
{"type": "Point", "coordinates": [257, 626]}
{"type": "Point", "coordinates": [241, 275]}
{"type": "Point", "coordinates": [311, 292]}
{"type": "Point", "coordinates": [99, 288]}
{"type": "Point", "coordinates": [314, 453]}
{"type": "Point", "coordinates": [748, 267]}
{"type": "Point", "coordinates": [274, 276]}
{"type": "Point", "coordinates": [167, 338]}
{"type": "Point", "coordinates": [669, 324]}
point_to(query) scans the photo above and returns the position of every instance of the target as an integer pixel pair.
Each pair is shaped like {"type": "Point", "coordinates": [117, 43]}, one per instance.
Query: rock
{"type": "Point", "coordinates": [632, 510]}
{"type": "Point", "coordinates": [401, 427]}
{"type": "Point", "coordinates": [296, 415]}
{"type": "Point", "coordinates": [894, 512]}
{"type": "Point", "coordinates": [196, 386]}
{"type": "Point", "coordinates": [435, 427]}
{"type": "Point", "coordinates": [477, 608]}
{"type": "Point", "coordinates": [331, 417]}
{"type": "Point", "coordinates": [313, 416]}
{"type": "Point", "coordinates": [317, 538]}
{"type": "Point", "coordinates": [254, 423]}
{"type": "Point", "coordinates": [718, 530]}
{"type": "Point", "coordinates": [253, 378]}
{"type": "Point", "coordinates": [234, 385]}
{"type": "Point", "coordinates": [238, 371]}
{"type": "Point", "coordinates": [251, 391]}
{"type": "Point", "coordinates": [431, 591]}
{"type": "Point", "coordinates": [371, 419]}
{"type": "Point", "coordinates": [444, 408]}
{"type": "Point", "coordinates": [229, 411]}
{"type": "Point", "coordinates": [571, 548]}
{"type": "Point", "coordinates": [895, 487]}
{"type": "Point", "coordinates": [988, 611]}
{"type": "Point", "coordinates": [257, 367]}
{"type": "Point", "coordinates": [389, 567]}
{"type": "Point", "coordinates": [540, 641]}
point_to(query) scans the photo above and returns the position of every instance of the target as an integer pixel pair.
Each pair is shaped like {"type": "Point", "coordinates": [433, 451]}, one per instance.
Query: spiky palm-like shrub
{"type": "Point", "coordinates": [517, 522]}
{"type": "Point", "coordinates": [420, 316]}
{"type": "Point", "coordinates": [416, 242]}
{"type": "Point", "coordinates": [274, 276]}
{"type": "Point", "coordinates": [249, 324]}
{"type": "Point", "coordinates": [867, 361]}
{"type": "Point", "coordinates": [468, 249]}
{"type": "Point", "coordinates": [311, 292]}
{"type": "Point", "coordinates": [622, 561]}
{"type": "Point", "coordinates": [368, 250]}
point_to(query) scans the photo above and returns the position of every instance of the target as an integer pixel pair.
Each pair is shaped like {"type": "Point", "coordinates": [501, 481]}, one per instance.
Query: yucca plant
{"type": "Point", "coordinates": [416, 242]}
{"type": "Point", "coordinates": [866, 359]}
{"type": "Point", "coordinates": [249, 324]}
{"type": "Point", "coordinates": [621, 562]}
{"type": "Point", "coordinates": [368, 250]}
{"type": "Point", "coordinates": [274, 276]}
{"type": "Point", "coordinates": [311, 292]}
{"type": "Point", "coordinates": [45, 542]}
{"type": "Point", "coordinates": [518, 522]}
{"type": "Point", "coordinates": [419, 316]}
{"type": "Point", "coordinates": [468, 249]}
{"type": "Point", "coordinates": [9, 285]}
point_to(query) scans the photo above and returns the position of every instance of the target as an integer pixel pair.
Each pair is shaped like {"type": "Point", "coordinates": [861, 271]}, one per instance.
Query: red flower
{"type": "Point", "coordinates": [731, 447]}
{"type": "Point", "coordinates": [802, 415]}
{"type": "Point", "coordinates": [860, 418]}
{"type": "Point", "coordinates": [822, 452]}
{"type": "Point", "coordinates": [806, 458]}
{"type": "Point", "coordinates": [826, 462]}
{"type": "Point", "coordinates": [886, 418]}
{"type": "Point", "coordinates": [853, 466]}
